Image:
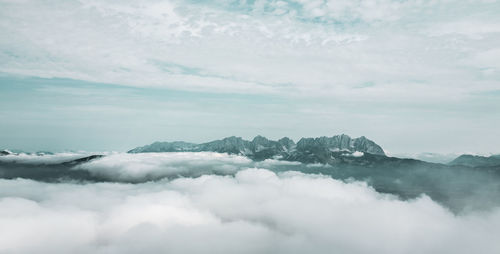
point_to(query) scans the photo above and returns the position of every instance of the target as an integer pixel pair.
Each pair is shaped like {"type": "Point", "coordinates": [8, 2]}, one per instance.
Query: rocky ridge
{"type": "Point", "coordinates": [311, 150]}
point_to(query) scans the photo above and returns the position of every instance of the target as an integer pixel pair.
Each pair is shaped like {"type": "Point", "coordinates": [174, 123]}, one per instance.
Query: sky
{"type": "Point", "coordinates": [414, 76]}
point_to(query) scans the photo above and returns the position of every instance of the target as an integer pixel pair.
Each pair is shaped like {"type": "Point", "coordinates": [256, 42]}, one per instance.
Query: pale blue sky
{"type": "Point", "coordinates": [413, 76]}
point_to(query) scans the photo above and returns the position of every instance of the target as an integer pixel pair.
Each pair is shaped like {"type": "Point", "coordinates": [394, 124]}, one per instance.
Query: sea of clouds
{"type": "Point", "coordinates": [234, 206]}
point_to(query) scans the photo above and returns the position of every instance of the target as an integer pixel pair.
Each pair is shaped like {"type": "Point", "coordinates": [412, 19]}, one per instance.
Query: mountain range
{"type": "Point", "coordinates": [306, 150]}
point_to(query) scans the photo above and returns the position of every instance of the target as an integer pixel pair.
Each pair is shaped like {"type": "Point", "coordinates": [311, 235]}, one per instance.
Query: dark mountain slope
{"type": "Point", "coordinates": [476, 161]}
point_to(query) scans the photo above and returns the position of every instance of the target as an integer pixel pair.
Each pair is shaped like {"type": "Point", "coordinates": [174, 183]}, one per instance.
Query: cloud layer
{"type": "Point", "coordinates": [154, 166]}
{"type": "Point", "coordinates": [277, 47]}
{"type": "Point", "coordinates": [255, 211]}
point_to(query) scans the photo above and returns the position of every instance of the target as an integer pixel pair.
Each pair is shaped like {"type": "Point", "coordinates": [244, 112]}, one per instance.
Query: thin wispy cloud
{"type": "Point", "coordinates": [255, 47]}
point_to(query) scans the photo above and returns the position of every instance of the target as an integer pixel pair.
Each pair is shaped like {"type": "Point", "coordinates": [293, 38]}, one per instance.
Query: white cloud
{"type": "Point", "coordinates": [138, 167]}
{"type": "Point", "coordinates": [256, 211]}
{"type": "Point", "coordinates": [473, 28]}
{"type": "Point", "coordinates": [206, 47]}
{"type": "Point", "coordinates": [357, 154]}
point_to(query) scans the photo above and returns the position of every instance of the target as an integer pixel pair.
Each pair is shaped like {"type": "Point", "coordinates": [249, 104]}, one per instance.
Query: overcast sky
{"type": "Point", "coordinates": [414, 76]}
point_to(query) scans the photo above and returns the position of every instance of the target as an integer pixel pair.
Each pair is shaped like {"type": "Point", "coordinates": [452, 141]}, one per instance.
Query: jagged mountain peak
{"type": "Point", "coordinates": [260, 139]}
{"type": "Point", "coordinates": [341, 142]}
{"type": "Point", "coordinates": [287, 143]}
{"type": "Point", "coordinates": [233, 138]}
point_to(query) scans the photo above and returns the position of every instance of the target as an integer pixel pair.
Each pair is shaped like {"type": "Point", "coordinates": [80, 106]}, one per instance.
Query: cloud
{"type": "Point", "coordinates": [140, 167]}
{"type": "Point", "coordinates": [357, 154]}
{"type": "Point", "coordinates": [255, 211]}
{"type": "Point", "coordinates": [234, 47]}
